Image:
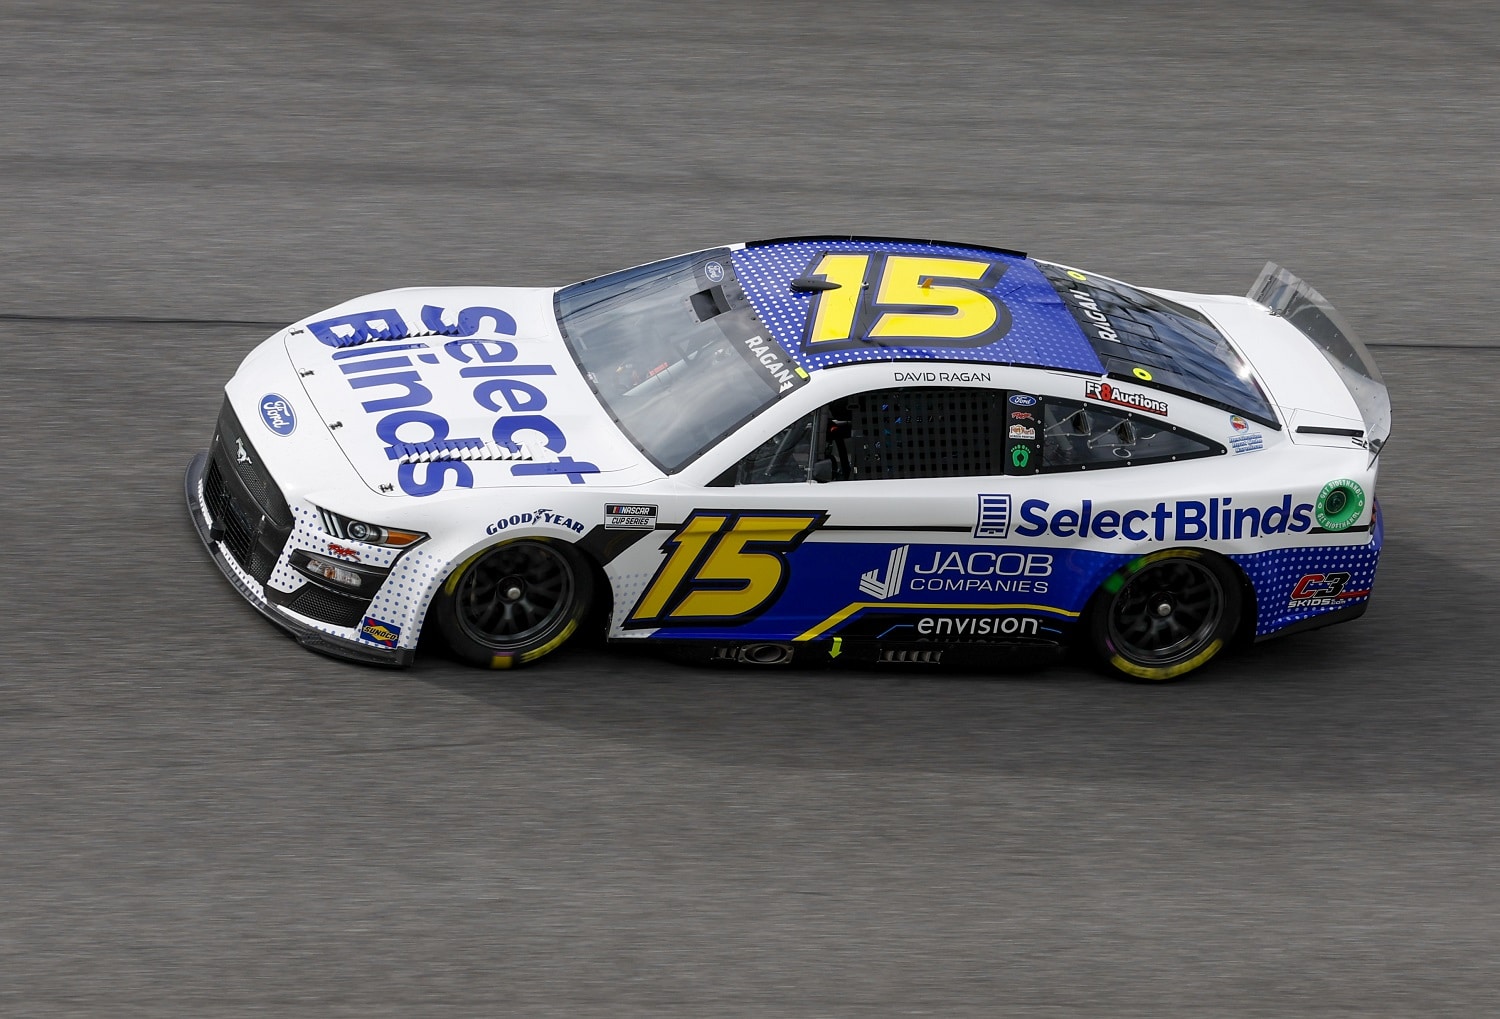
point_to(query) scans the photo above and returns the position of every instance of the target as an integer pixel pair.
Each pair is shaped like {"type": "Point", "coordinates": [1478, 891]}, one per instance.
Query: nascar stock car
{"type": "Point", "coordinates": [805, 449]}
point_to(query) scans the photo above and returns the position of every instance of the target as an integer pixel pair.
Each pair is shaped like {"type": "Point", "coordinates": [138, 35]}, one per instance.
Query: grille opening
{"type": "Point", "coordinates": [253, 540]}
{"type": "Point", "coordinates": [241, 455]}
{"type": "Point", "coordinates": [335, 609]}
{"type": "Point", "coordinates": [239, 537]}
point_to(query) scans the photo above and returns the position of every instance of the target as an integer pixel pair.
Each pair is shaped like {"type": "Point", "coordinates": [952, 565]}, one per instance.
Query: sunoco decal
{"type": "Point", "coordinates": [1135, 401]}
{"type": "Point", "coordinates": [278, 415]}
{"type": "Point", "coordinates": [376, 632]}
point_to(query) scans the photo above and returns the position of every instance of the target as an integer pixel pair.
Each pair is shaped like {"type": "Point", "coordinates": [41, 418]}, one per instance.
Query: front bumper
{"type": "Point", "coordinates": [306, 635]}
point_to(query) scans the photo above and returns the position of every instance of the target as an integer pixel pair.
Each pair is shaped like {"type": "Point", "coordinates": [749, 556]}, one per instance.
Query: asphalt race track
{"type": "Point", "coordinates": [198, 818]}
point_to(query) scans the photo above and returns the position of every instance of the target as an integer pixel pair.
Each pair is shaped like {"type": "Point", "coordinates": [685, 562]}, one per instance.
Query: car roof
{"type": "Point", "coordinates": [1045, 315]}
{"type": "Point", "coordinates": [1042, 333]}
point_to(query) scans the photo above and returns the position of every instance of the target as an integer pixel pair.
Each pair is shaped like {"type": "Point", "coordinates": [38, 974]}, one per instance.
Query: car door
{"type": "Point", "coordinates": [861, 518]}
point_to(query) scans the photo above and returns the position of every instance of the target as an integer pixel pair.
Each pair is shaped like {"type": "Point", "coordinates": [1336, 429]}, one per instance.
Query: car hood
{"type": "Point", "coordinates": [432, 389]}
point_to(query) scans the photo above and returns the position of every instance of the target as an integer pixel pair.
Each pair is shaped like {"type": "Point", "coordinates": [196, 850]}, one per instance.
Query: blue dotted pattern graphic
{"type": "Point", "coordinates": [401, 601]}
{"type": "Point", "coordinates": [1275, 574]}
{"type": "Point", "coordinates": [1043, 332]}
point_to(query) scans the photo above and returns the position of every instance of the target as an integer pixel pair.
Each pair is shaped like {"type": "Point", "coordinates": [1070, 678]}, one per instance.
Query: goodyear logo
{"type": "Point", "coordinates": [376, 632]}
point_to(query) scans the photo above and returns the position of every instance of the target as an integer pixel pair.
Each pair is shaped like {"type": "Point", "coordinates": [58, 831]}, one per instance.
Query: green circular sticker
{"type": "Point", "coordinates": [1340, 504]}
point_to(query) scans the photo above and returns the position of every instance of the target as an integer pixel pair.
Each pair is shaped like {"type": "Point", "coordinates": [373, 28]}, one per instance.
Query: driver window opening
{"type": "Point", "coordinates": [784, 457]}
{"type": "Point", "coordinates": [887, 435]}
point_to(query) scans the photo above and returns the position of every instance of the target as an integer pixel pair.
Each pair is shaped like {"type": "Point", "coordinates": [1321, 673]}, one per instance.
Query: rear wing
{"type": "Point", "coordinates": [1296, 301]}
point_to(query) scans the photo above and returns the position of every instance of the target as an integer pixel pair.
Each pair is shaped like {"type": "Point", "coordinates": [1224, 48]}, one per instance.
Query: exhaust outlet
{"type": "Point", "coordinates": [765, 654]}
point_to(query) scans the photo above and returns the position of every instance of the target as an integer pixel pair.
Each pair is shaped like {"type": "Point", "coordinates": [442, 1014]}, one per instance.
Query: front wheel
{"type": "Point", "coordinates": [1166, 614]}
{"type": "Point", "coordinates": [514, 603]}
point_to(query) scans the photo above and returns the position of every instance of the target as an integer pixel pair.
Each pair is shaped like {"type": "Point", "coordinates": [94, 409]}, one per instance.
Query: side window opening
{"type": "Point", "coordinates": [784, 457]}
{"type": "Point", "coordinates": [887, 434]}
{"type": "Point", "coordinates": [919, 433]}
{"type": "Point", "coordinates": [911, 433]}
{"type": "Point", "coordinates": [1077, 437]}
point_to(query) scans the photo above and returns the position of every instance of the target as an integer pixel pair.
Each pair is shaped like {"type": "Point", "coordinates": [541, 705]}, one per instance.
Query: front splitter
{"type": "Point", "coordinates": [308, 636]}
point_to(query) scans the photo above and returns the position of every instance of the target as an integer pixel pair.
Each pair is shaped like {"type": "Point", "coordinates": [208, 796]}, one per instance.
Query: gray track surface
{"type": "Point", "coordinates": [198, 818]}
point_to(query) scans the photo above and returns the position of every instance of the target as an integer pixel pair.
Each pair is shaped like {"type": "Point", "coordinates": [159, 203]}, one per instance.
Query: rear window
{"type": "Point", "coordinates": [1148, 340]}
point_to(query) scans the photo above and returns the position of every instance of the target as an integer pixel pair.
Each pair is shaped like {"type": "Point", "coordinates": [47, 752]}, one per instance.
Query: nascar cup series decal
{"type": "Point", "coordinates": [404, 419]}
{"type": "Point", "coordinates": [277, 414]}
{"type": "Point", "coordinates": [626, 517]}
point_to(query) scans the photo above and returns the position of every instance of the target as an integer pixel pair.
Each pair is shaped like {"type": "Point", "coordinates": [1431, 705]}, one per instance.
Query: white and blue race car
{"type": "Point", "coordinates": [810, 449]}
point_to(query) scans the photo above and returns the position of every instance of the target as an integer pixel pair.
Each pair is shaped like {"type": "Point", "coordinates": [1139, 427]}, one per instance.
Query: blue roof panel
{"type": "Point", "coordinates": [1029, 323]}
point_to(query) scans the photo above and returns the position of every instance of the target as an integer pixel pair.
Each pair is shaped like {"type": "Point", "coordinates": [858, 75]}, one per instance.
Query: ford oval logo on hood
{"type": "Point", "coordinates": [276, 411]}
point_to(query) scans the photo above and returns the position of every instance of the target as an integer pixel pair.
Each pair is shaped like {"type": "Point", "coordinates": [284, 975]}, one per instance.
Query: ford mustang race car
{"type": "Point", "coordinates": [809, 449]}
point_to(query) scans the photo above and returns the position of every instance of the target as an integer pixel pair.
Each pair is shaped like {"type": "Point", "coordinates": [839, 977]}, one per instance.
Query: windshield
{"type": "Point", "coordinates": [1144, 338]}
{"type": "Point", "coordinates": [675, 353]}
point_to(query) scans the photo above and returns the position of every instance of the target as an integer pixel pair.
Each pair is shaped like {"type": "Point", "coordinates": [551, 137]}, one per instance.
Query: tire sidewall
{"type": "Point", "coordinates": [476, 652]}
{"type": "Point", "coordinates": [1217, 639]}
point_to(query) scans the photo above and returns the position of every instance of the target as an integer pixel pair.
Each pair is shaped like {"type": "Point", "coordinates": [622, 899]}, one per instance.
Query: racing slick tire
{"type": "Point", "coordinates": [513, 603]}
{"type": "Point", "coordinates": [1165, 614]}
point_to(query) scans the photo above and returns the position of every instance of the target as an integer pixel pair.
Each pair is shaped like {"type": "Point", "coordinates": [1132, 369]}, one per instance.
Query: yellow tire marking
{"type": "Point", "coordinates": [1171, 671]}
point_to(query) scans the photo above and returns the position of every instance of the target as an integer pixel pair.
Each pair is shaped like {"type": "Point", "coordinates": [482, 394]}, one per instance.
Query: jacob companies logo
{"type": "Point", "coordinates": [872, 584]}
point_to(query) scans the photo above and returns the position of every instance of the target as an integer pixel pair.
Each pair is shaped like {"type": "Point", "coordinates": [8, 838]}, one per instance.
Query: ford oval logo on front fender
{"type": "Point", "coordinates": [276, 411]}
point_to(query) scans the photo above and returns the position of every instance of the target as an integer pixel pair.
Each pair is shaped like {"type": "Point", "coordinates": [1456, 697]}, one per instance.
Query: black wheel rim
{"type": "Point", "coordinates": [514, 596]}
{"type": "Point", "coordinates": [1166, 612]}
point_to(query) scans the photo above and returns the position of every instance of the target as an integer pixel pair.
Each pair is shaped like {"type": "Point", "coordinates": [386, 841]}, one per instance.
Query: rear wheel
{"type": "Point", "coordinates": [1166, 614]}
{"type": "Point", "coordinates": [514, 603]}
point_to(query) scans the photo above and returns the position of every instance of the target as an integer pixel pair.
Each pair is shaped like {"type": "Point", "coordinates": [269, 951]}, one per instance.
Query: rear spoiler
{"type": "Point", "coordinates": [1295, 300]}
